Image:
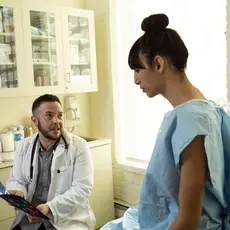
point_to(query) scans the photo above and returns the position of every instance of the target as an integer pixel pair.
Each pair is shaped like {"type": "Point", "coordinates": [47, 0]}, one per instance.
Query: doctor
{"type": "Point", "coordinates": [53, 169]}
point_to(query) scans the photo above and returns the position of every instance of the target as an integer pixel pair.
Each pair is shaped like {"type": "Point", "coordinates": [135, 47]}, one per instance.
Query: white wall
{"type": "Point", "coordinates": [126, 184]}
{"type": "Point", "coordinates": [228, 48]}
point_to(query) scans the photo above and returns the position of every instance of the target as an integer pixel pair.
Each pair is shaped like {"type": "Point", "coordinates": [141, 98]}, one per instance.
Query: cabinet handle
{"type": "Point", "coordinates": [68, 78]}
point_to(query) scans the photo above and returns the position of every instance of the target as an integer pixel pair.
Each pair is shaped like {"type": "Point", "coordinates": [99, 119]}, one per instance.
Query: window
{"type": "Point", "coordinates": [202, 26]}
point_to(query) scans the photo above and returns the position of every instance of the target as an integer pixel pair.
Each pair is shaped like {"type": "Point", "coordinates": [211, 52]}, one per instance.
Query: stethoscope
{"type": "Point", "coordinates": [33, 152]}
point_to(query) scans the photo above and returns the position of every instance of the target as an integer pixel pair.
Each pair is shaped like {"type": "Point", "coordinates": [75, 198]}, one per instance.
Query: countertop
{"type": "Point", "coordinates": [6, 164]}
{"type": "Point", "coordinates": [93, 142]}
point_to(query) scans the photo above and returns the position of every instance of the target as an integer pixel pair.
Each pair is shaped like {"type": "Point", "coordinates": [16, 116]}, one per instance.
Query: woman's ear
{"type": "Point", "coordinates": [159, 64]}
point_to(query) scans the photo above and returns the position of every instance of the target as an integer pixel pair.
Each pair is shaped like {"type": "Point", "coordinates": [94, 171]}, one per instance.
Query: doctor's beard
{"type": "Point", "coordinates": [46, 133]}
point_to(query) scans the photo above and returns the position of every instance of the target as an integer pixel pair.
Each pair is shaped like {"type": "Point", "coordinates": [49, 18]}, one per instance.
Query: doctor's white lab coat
{"type": "Point", "coordinates": [71, 182]}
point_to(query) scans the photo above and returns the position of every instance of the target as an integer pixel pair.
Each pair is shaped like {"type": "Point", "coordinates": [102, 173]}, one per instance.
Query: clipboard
{"type": "Point", "coordinates": [20, 203]}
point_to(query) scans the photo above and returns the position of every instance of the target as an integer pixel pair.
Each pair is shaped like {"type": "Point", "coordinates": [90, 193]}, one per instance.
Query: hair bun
{"type": "Point", "coordinates": [155, 22]}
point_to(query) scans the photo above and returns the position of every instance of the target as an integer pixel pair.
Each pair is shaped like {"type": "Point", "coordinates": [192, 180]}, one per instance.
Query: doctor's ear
{"type": "Point", "coordinates": [34, 119]}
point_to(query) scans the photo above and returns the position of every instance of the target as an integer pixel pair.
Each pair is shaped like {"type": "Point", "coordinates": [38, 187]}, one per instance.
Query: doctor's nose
{"type": "Point", "coordinates": [56, 120]}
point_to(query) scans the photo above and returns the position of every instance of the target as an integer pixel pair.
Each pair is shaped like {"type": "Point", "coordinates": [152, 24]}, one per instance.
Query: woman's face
{"type": "Point", "coordinates": [151, 79]}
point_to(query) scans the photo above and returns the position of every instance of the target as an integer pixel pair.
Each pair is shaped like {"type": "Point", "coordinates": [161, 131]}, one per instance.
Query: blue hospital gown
{"type": "Point", "coordinates": [158, 205]}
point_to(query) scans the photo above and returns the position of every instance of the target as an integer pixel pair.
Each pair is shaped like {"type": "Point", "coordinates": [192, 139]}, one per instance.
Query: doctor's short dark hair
{"type": "Point", "coordinates": [42, 99]}
{"type": "Point", "coordinates": [158, 40]}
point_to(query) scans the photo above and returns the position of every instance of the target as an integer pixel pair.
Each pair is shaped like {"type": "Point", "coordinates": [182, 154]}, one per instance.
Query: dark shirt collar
{"type": "Point", "coordinates": [52, 146]}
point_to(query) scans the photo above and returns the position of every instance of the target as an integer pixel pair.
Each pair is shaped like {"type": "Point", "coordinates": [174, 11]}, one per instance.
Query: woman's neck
{"type": "Point", "coordinates": [179, 90]}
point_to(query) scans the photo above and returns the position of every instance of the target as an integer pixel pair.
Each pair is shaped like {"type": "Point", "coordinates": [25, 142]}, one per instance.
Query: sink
{"type": "Point", "coordinates": [89, 139]}
{"type": "Point", "coordinates": [95, 141]}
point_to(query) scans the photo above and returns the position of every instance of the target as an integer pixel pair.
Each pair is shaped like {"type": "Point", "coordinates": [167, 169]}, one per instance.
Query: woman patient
{"type": "Point", "coordinates": [183, 185]}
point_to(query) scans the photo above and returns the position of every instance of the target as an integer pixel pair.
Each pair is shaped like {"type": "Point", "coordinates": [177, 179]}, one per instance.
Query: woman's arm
{"type": "Point", "coordinates": [192, 185]}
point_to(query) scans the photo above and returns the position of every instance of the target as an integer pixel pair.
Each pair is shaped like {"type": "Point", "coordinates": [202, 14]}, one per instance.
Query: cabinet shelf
{"type": "Point", "coordinates": [8, 63]}
{"type": "Point", "coordinates": [80, 79]}
{"type": "Point", "coordinates": [80, 64]}
{"type": "Point", "coordinates": [83, 40]}
{"type": "Point", "coordinates": [44, 63]}
{"type": "Point", "coordinates": [6, 34]}
{"type": "Point", "coordinates": [41, 37]}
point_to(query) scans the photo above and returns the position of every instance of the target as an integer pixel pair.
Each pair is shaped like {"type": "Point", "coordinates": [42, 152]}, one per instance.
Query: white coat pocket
{"type": "Point", "coordinates": [62, 178]}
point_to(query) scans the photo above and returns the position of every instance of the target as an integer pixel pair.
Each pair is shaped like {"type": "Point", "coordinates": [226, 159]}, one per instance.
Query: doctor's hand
{"type": "Point", "coordinates": [16, 192]}
{"type": "Point", "coordinates": [33, 219]}
{"type": "Point", "coordinates": [44, 208]}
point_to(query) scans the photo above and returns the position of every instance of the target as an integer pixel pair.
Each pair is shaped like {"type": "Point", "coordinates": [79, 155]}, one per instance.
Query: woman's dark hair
{"type": "Point", "coordinates": [158, 40]}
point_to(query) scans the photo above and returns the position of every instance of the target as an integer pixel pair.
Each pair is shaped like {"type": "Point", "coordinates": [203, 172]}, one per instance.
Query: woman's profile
{"type": "Point", "coordinates": [183, 188]}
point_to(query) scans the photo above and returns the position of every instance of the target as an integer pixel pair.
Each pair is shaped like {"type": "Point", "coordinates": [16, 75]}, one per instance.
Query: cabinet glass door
{"type": "Point", "coordinates": [11, 50]}
{"type": "Point", "coordinates": [44, 56]}
{"type": "Point", "coordinates": [79, 50]}
{"type": "Point", "coordinates": [8, 64]}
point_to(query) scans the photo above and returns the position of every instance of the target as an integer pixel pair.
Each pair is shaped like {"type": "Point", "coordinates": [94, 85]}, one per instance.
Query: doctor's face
{"type": "Point", "coordinates": [49, 120]}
